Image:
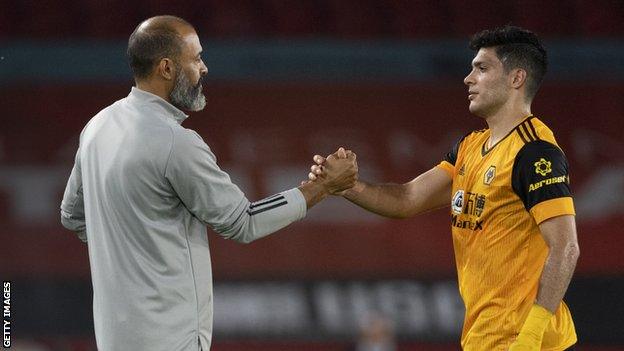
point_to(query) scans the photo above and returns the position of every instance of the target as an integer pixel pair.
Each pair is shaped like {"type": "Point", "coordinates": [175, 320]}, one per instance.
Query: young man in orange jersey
{"type": "Point", "coordinates": [512, 214]}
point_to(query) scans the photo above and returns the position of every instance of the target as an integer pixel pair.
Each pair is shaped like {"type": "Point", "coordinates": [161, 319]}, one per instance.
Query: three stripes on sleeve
{"type": "Point", "coordinates": [267, 204]}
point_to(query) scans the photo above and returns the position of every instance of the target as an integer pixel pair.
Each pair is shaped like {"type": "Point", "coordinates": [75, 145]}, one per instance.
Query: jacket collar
{"type": "Point", "coordinates": [145, 97]}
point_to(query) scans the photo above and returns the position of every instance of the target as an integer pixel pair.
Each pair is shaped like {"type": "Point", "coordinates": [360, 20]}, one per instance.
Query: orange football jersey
{"type": "Point", "coordinates": [500, 195]}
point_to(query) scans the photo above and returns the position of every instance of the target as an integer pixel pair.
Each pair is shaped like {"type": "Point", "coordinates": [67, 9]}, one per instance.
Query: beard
{"type": "Point", "coordinates": [187, 96]}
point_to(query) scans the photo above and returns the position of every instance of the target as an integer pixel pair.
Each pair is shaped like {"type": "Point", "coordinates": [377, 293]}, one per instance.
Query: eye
{"type": "Point", "coordinates": [482, 68]}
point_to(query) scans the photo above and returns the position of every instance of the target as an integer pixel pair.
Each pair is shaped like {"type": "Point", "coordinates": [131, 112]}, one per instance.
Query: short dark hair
{"type": "Point", "coordinates": [147, 46]}
{"type": "Point", "coordinates": [516, 48]}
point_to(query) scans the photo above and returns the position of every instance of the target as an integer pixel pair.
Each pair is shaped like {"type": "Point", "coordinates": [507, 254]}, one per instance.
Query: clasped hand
{"type": "Point", "coordinates": [337, 172]}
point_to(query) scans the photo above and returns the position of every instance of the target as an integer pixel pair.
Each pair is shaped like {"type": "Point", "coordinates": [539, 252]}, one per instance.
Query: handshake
{"type": "Point", "coordinates": [336, 173]}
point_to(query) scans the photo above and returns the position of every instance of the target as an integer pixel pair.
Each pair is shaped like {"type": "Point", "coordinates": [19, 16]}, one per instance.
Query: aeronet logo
{"type": "Point", "coordinates": [458, 202]}
{"type": "Point", "coordinates": [542, 167]}
{"type": "Point", "coordinates": [489, 175]}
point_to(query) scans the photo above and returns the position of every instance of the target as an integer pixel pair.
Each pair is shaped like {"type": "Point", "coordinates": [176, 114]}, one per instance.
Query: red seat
{"type": "Point", "coordinates": [48, 18]}
{"type": "Point", "coordinates": [420, 18]}
{"type": "Point", "coordinates": [188, 10]}
{"type": "Point", "coordinates": [602, 18]}
{"type": "Point", "coordinates": [294, 18]}
{"type": "Point", "coordinates": [470, 17]}
{"type": "Point", "coordinates": [109, 19]}
{"type": "Point", "coordinates": [358, 19]}
{"type": "Point", "coordinates": [232, 18]}
{"type": "Point", "coordinates": [7, 17]}
{"type": "Point", "coordinates": [546, 18]}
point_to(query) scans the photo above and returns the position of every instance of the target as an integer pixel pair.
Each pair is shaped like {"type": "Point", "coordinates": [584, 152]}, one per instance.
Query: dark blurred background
{"type": "Point", "coordinates": [289, 79]}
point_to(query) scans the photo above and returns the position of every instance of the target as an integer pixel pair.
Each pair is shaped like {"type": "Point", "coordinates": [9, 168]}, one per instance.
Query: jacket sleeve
{"type": "Point", "coordinates": [209, 194]}
{"type": "Point", "coordinates": [72, 205]}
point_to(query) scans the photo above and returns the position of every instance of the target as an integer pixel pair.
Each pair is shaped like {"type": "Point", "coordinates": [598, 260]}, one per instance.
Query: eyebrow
{"type": "Point", "coordinates": [477, 63]}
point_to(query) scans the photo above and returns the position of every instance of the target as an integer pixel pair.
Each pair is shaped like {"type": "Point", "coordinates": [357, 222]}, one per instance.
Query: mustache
{"type": "Point", "coordinates": [200, 82]}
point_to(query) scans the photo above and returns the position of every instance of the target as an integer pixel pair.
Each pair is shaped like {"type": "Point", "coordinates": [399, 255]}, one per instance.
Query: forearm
{"type": "Point", "coordinates": [388, 200]}
{"type": "Point", "coordinates": [430, 190]}
{"type": "Point", "coordinates": [313, 193]}
{"type": "Point", "coordinates": [72, 206]}
{"type": "Point", "coordinates": [77, 226]}
{"type": "Point", "coordinates": [559, 232]}
{"type": "Point", "coordinates": [554, 282]}
{"type": "Point", "coordinates": [73, 212]}
{"type": "Point", "coordinates": [265, 216]}
{"type": "Point", "coordinates": [556, 275]}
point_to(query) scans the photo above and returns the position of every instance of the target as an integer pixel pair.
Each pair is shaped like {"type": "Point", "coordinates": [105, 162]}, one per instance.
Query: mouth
{"type": "Point", "coordinates": [472, 95]}
{"type": "Point", "coordinates": [200, 82]}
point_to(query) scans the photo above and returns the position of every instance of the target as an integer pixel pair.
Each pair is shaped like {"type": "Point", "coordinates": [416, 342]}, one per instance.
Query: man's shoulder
{"type": "Point", "coordinates": [106, 112]}
{"type": "Point", "coordinates": [475, 136]}
{"type": "Point", "coordinates": [540, 130]}
{"type": "Point", "coordinates": [185, 135]}
{"type": "Point", "coordinates": [532, 137]}
{"type": "Point", "coordinates": [189, 142]}
{"type": "Point", "coordinates": [540, 152]}
{"type": "Point", "coordinates": [115, 106]}
{"type": "Point", "coordinates": [93, 124]}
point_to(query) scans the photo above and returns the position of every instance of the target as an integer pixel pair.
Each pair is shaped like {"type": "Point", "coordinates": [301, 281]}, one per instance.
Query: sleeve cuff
{"type": "Point", "coordinates": [552, 208]}
{"type": "Point", "coordinates": [447, 167]}
{"type": "Point", "coordinates": [295, 196]}
{"type": "Point", "coordinates": [82, 235]}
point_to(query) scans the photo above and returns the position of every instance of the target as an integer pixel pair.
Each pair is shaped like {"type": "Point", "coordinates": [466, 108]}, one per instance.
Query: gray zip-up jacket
{"type": "Point", "coordinates": [141, 193]}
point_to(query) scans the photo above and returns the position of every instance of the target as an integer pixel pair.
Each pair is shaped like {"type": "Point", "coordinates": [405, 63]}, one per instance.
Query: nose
{"type": "Point", "coordinates": [469, 79]}
{"type": "Point", "coordinates": [203, 70]}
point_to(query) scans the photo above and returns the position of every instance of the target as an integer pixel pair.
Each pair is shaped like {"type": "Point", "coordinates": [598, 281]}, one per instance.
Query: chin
{"type": "Point", "coordinates": [475, 110]}
{"type": "Point", "coordinates": [201, 105]}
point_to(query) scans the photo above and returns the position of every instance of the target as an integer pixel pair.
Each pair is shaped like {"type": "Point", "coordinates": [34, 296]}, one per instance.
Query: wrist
{"type": "Point", "coordinates": [532, 331]}
{"type": "Point", "coordinates": [354, 191]}
{"type": "Point", "coordinates": [320, 189]}
{"type": "Point", "coordinates": [313, 193]}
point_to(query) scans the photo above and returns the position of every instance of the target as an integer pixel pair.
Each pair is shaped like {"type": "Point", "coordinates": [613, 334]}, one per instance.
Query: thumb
{"type": "Point", "coordinates": [341, 153]}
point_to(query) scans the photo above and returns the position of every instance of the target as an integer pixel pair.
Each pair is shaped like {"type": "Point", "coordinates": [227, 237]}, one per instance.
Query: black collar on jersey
{"type": "Point", "coordinates": [525, 129]}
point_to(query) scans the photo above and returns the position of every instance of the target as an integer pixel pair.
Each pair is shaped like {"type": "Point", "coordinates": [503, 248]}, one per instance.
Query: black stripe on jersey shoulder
{"type": "Point", "coordinates": [524, 138]}
{"type": "Point", "coordinates": [522, 131]}
{"type": "Point", "coordinates": [529, 125]}
{"type": "Point", "coordinates": [526, 131]}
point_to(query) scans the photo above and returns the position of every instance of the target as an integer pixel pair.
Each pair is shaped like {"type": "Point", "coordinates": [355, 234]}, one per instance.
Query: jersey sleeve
{"type": "Point", "coordinates": [541, 179]}
{"type": "Point", "coordinates": [448, 162]}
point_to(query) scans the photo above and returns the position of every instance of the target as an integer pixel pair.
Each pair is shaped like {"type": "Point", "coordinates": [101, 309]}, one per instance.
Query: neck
{"type": "Point", "coordinates": [155, 88]}
{"type": "Point", "coordinates": [506, 119]}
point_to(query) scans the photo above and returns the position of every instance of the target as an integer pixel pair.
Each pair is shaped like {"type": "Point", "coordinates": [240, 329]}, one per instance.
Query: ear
{"type": "Point", "coordinates": [166, 68]}
{"type": "Point", "coordinates": [517, 78]}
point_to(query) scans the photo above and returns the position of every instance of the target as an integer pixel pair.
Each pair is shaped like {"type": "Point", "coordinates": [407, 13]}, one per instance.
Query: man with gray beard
{"type": "Point", "coordinates": [143, 189]}
{"type": "Point", "coordinates": [186, 95]}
